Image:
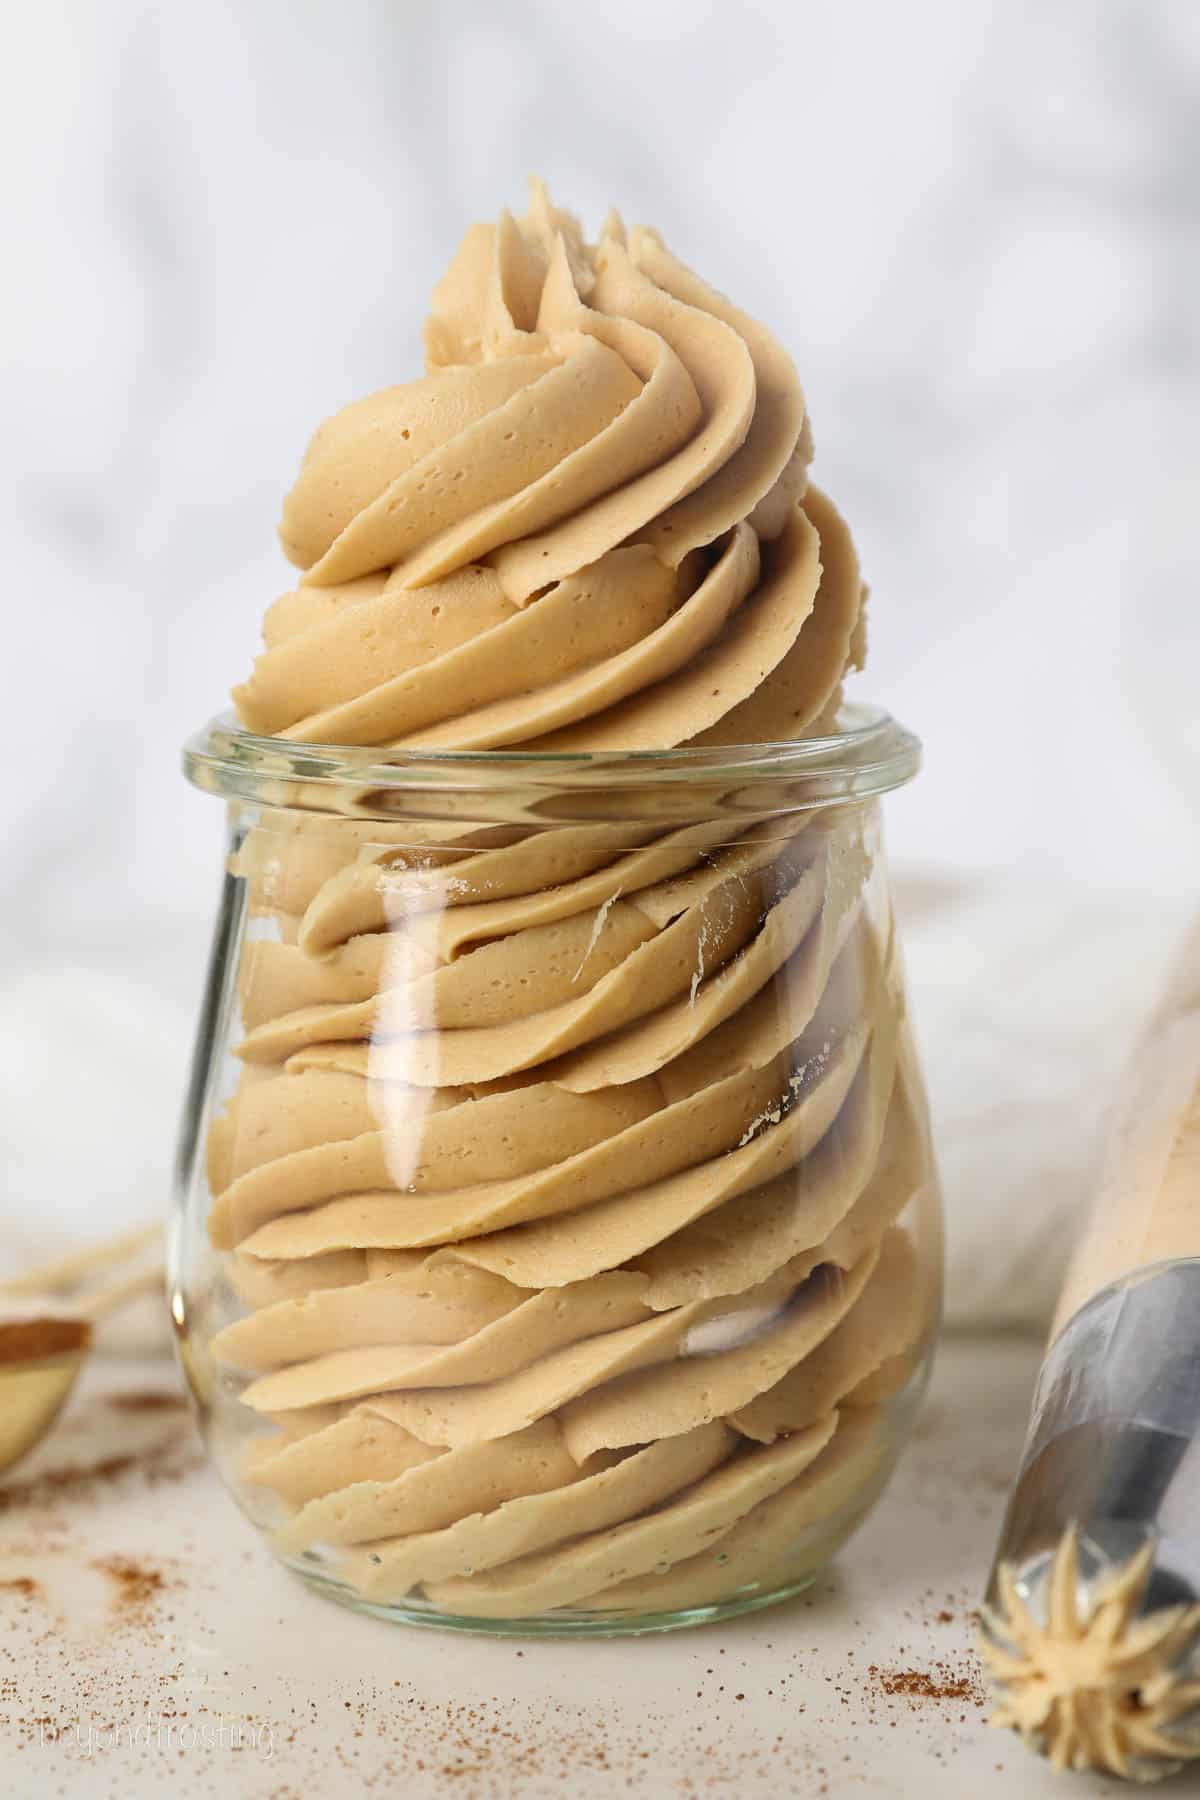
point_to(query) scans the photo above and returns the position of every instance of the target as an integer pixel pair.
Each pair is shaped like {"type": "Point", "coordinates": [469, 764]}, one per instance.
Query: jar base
{"type": "Point", "coordinates": [811, 1554]}
{"type": "Point", "coordinates": [823, 1542]}
{"type": "Point", "coordinates": [576, 1624]}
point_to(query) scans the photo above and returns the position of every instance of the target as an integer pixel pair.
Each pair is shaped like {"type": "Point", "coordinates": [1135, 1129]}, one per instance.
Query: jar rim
{"type": "Point", "coordinates": [868, 753]}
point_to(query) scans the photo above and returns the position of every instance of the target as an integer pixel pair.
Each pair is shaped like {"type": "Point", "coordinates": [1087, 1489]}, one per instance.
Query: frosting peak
{"type": "Point", "coordinates": [587, 526]}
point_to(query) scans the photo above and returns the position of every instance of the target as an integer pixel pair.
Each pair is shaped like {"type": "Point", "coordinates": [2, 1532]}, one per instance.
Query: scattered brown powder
{"type": "Point", "coordinates": [24, 1585]}
{"type": "Point", "coordinates": [147, 1400]}
{"type": "Point", "coordinates": [84, 1481]}
{"type": "Point", "coordinates": [37, 1340]}
{"type": "Point", "coordinates": [137, 1584]}
{"type": "Point", "coordinates": [941, 1682]}
{"type": "Point", "coordinates": [71, 1480]}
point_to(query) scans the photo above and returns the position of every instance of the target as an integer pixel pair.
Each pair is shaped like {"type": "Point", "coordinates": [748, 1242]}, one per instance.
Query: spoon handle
{"type": "Point", "coordinates": [67, 1271]}
{"type": "Point", "coordinates": [145, 1281]}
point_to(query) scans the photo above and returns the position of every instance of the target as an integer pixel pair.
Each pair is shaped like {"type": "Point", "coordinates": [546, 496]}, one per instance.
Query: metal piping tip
{"type": "Point", "coordinates": [1094, 1666]}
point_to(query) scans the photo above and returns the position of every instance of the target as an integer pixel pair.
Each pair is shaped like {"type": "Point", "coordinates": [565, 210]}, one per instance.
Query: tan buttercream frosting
{"type": "Point", "coordinates": [560, 1188]}
{"type": "Point", "coordinates": [586, 527]}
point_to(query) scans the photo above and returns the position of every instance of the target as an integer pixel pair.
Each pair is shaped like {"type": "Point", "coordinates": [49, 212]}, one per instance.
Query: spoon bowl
{"type": "Point", "coordinates": [45, 1341]}
{"type": "Point", "coordinates": [40, 1360]}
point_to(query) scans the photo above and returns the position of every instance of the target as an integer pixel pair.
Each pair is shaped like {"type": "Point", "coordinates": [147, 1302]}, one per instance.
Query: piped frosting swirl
{"type": "Point", "coordinates": [560, 1192]}
{"type": "Point", "coordinates": [588, 526]}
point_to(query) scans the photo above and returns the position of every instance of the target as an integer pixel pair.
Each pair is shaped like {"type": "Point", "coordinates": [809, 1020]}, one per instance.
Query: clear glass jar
{"type": "Point", "coordinates": [558, 1239]}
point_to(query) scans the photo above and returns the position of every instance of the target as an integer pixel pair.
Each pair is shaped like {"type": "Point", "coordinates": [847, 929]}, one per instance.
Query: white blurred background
{"type": "Point", "coordinates": [977, 225]}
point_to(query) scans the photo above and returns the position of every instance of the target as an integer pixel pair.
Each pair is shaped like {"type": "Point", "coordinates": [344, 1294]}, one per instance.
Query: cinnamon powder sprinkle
{"type": "Point", "coordinates": [147, 1400]}
{"type": "Point", "coordinates": [939, 1683]}
{"type": "Point", "coordinates": [71, 1480]}
{"type": "Point", "coordinates": [137, 1584]}
{"type": "Point", "coordinates": [84, 1481]}
{"type": "Point", "coordinates": [36, 1340]}
{"type": "Point", "coordinates": [24, 1585]}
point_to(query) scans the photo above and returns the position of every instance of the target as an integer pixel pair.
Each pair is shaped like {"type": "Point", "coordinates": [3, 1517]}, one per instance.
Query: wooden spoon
{"type": "Point", "coordinates": [44, 1342]}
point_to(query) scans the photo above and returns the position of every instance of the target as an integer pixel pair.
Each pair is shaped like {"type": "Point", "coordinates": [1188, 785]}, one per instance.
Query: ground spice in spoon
{"type": "Point", "coordinates": [39, 1339]}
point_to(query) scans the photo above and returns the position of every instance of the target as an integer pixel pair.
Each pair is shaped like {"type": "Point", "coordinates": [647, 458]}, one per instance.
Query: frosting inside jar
{"type": "Point", "coordinates": [560, 1186]}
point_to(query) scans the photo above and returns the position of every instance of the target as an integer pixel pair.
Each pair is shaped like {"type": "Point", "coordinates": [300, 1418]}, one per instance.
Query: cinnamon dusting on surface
{"type": "Point", "coordinates": [137, 1584]}
{"type": "Point", "coordinates": [940, 1682]}
{"type": "Point", "coordinates": [71, 1480]}
{"type": "Point", "coordinates": [147, 1400]}
{"type": "Point", "coordinates": [24, 1585]}
{"type": "Point", "coordinates": [37, 1340]}
{"type": "Point", "coordinates": [83, 1481]}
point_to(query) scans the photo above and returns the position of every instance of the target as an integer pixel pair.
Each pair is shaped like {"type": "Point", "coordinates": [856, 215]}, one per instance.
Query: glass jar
{"type": "Point", "coordinates": [558, 1239]}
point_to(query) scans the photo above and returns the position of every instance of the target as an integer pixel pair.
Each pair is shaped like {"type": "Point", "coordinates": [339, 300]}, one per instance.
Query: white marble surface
{"type": "Point", "coordinates": [215, 1644]}
{"type": "Point", "coordinates": [977, 228]}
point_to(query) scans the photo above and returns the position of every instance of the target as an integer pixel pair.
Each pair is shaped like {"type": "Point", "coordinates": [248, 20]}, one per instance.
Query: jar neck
{"type": "Point", "coordinates": [868, 755]}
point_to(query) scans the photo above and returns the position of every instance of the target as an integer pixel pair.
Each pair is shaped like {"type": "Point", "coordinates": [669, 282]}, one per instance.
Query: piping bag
{"type": "Point", "coordinates": [1091, 1622]}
